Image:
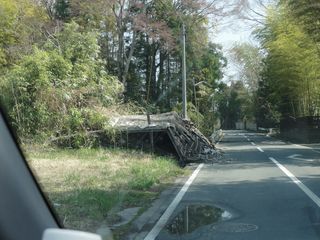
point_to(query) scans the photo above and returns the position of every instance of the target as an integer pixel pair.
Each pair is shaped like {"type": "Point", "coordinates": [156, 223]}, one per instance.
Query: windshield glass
{"type": "Point", "coordinates": [168, 119]}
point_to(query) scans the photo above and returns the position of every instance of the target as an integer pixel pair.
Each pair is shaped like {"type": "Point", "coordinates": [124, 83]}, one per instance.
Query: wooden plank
{"type": "Point", "coordinates": [189, 143]}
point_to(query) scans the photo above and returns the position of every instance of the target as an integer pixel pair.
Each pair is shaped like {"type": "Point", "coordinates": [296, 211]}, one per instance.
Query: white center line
{"type": "Point", "coordinates": [253, 143]}
{"type": "Point", "coordinates": [166, 215]}
{"type": "Point", "coordinates": [260, 149]}
{"type": "Point", "coordinates": [303, 187]}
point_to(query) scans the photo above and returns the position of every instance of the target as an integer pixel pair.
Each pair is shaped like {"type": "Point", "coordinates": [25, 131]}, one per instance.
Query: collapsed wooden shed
{"type": "Point", "coordinates": [189, 144]}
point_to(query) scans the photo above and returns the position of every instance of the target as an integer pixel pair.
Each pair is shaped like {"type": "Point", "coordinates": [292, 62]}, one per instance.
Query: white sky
{"type": "Point", "coordinates": [227, 35]}
{"type": "Point", "coordinates": [231, 31]}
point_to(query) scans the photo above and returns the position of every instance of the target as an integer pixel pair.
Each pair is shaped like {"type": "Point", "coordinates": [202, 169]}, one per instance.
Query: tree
{"type": "Point", "coordinates": [137, 41]}
{"type": "Point", "coordinates": [20, 22]}
{"type": "Point", "coordinates": [290, 71]}
{"type": "Point", "coordinates": [62, 10]}
{"type": "Point", "coordinates": [55, 90]}
{"type": "Point", "coordinates": [307, 14]}
{"type": "Point", "coordinates": [249, 61]}
{"type": "Point", "coordinates": [233, 104]}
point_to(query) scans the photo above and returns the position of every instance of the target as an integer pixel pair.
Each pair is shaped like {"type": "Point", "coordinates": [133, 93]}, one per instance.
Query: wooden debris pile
{"type": "Point", "coordinates": [189, 143]}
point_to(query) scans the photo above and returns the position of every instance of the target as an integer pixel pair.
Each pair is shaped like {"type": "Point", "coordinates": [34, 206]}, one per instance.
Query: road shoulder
{"type": "Point", "coordinates": [142, 225]}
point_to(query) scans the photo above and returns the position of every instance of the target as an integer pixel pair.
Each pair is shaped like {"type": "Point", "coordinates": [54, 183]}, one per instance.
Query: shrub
{"type": "Point", "coordinates": [56, 89]}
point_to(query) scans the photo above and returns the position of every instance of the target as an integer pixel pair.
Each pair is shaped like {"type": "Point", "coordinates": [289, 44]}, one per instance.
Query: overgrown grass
{"type": "Point", "coordinates": [88, 186]}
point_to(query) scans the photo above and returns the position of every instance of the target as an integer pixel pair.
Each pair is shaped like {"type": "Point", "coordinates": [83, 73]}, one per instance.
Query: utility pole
{"type": "Point", "coordinates": [184, 74]}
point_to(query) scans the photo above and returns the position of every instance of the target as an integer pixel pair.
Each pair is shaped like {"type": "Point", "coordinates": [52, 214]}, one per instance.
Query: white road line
{"type": "Point", "coordinates": [166, 215]}
{"type": "Point", "coordinates": [253, 143]}
{"type": "Point", "coordinates": [260, 149]}
{"type": "Point", "coordinates": [301, 146]}
{"type": "Point", "coordinates": [303, 187]}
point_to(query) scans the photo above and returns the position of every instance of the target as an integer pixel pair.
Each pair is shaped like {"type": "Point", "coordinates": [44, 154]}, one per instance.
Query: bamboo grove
{"type": "Point", "coordinates": [280, 72]}
{"type": "Point", "coordinates": [289, 80]}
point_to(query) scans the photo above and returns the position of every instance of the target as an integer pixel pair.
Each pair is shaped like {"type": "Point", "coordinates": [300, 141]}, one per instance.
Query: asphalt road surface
{"type": "Point", "coordinates": [265, 188]}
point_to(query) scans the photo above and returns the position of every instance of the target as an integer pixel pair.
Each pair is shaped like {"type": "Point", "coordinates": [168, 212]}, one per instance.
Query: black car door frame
{"type": "Point", "coordinates": [24, 210]}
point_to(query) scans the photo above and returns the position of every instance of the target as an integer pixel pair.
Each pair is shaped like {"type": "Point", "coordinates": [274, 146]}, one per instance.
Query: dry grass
{"type": "Point", "coordinates": [88, 186]}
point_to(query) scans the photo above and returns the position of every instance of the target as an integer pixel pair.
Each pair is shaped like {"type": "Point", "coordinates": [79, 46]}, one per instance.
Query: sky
{"type": "Point", "coordinates": [227, 35]}
{"type": "Point", "coordinates": [229, 32]}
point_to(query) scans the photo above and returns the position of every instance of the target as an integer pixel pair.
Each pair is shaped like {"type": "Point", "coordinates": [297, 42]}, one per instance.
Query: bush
{"type": "Point", "coordinates": [55, 90]}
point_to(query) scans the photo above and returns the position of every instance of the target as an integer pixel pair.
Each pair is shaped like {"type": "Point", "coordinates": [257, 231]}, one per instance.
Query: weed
{"type": "Point", "coordinates": [89, 186]}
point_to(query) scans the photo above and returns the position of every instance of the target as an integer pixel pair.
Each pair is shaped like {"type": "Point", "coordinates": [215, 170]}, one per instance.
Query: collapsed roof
{"type": "Point", "coordinates": [189, 143]}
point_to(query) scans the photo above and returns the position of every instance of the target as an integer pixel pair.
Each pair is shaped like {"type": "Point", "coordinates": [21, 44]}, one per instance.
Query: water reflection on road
{"type": "Point", "coordinates": [194, 216]}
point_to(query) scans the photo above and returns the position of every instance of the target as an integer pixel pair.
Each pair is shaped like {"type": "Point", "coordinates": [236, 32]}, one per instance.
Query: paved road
{"type": "Point", "coordinates": [264, 202]}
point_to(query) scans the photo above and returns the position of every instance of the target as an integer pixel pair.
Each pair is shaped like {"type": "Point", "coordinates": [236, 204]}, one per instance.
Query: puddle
{"type": "Point", "coordinates": [226, 216]}
{"type": "Point", "coordinates": [194, 216]}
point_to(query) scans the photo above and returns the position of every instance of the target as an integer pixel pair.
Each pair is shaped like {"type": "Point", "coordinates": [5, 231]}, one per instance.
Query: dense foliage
{"type": "Point", "coordinates": [55, 90]}
{"type": "Point", "coordinates": [62, 63]}
{"type": "Point", "coordinates": [289, 85]}
{"type": "Point", "coordinates": [281, 72]}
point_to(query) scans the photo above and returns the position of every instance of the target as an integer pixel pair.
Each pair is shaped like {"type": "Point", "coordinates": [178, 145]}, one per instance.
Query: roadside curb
{"type": "Point", "coordinates": [144, 223]}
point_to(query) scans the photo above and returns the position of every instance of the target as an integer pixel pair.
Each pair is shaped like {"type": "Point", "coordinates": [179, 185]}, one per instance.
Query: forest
{"type": "Point", "coordinates": [66, 66]}
{"type": "Point", "coordinates": [281, 71]}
